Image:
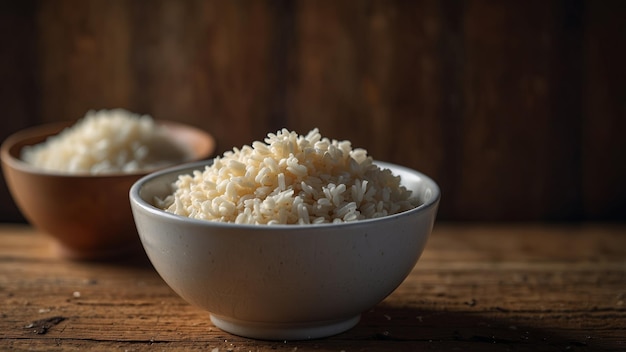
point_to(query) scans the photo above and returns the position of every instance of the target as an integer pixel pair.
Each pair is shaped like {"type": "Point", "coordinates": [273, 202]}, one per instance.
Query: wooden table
{"type": "Point", "coordinates": [476, 288]}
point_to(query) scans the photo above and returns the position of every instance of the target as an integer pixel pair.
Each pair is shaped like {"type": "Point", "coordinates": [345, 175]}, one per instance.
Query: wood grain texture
{"type": "Point", "coordinates": [476, 288]}
{"type": "Point", "coordinates": [605, 112]}
{"type": "Point", "coordinates": [516, 109]}
{"type": "Point", "coordinates": [19, 94]}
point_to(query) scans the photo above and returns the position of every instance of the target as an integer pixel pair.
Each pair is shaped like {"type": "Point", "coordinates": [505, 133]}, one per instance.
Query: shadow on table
{"type": "Point", "coordinates": [136, 257]}
{"type": "Point", "coordinates": [470, 331]}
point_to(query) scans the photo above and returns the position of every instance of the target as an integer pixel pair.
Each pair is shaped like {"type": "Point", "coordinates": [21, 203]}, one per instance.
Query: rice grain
{"type": "Point", "coordinates": [289, 179]}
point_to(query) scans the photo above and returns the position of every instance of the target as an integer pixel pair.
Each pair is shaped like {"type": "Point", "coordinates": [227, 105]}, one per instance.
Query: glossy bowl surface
{"type": "Point", "coordinates": [283, 282]}
{"type": "Point", "coordinates": [87, 216]}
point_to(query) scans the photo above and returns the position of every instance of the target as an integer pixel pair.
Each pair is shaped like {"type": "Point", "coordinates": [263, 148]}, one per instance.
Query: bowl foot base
{"type": "Point", "coordinates": [287, 331]}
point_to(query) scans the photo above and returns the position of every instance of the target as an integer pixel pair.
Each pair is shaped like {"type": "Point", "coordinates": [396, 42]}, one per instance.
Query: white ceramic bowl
{"type": "Point", "coordinates": [283, 282]}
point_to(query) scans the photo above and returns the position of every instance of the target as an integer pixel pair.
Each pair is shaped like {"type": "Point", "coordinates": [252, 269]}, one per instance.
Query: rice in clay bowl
{"type": "Point", "coordinates": [71, 179]}
{"type": "Point", "coordinates": [275, 274]}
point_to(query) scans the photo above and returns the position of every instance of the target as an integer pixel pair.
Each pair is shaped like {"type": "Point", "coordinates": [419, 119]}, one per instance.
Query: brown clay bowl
{"type": "Point", "coordinates": [86, 216]}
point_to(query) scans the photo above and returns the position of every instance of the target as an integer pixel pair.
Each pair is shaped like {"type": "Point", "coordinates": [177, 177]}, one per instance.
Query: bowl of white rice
{"type": "Point", "coordinates": [289, 238]}
{"type": "Point", "coordinates": [71, 179]}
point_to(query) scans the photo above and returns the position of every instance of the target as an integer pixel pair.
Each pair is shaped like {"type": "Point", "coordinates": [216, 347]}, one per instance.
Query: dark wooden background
{"type": "Point", "coordinates": [516, 108]}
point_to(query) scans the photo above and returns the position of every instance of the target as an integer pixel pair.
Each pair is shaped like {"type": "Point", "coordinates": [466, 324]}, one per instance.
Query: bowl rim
{"type": "Point", "coordinates": [137, 200]}
{"type": "Point", "coordinates": [8, 146]}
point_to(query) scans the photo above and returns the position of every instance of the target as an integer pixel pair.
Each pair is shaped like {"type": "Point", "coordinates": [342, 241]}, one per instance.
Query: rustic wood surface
{"type": "Point", "coordinates": [515, 107]}
{"type": "Point", "coordinates": [485, 287]}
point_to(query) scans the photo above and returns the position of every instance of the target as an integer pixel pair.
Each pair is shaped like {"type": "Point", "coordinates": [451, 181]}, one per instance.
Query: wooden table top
{"type": "Point", "coordinates": [477, 287]}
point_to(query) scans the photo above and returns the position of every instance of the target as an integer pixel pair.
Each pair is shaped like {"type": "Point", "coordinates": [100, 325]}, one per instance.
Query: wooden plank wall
{"type": "Point", "coordinates": [516, 108]}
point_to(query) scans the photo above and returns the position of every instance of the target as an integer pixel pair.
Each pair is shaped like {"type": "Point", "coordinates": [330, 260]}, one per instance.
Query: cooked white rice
{"type": "Point", "coordinates": [107, 141]}
{"type": "Point", "coordinates": [290, 179]}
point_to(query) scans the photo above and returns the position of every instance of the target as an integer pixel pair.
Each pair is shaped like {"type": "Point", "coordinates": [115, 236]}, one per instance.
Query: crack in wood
{"type": "Point", "coordinates": [42, 326]}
